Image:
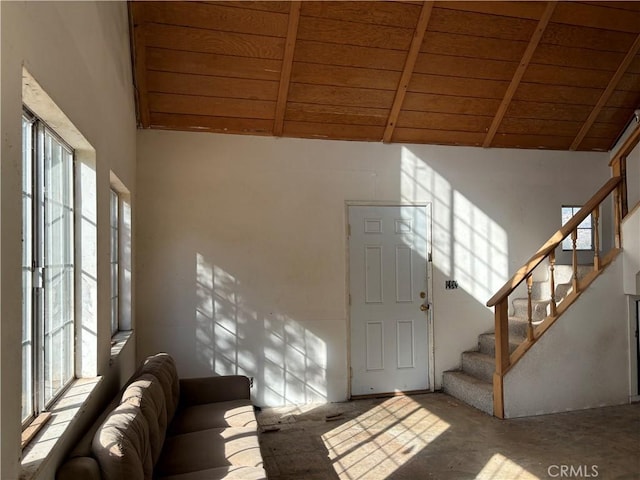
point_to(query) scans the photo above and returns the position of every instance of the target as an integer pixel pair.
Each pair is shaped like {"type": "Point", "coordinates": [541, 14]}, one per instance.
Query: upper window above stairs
{"type": "Point", "coordinates": [584, 239]}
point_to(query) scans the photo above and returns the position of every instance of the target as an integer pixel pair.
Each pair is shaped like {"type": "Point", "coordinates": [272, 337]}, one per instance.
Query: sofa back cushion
{"type": "Point", "coordinates": [121, 445]}
{"type": "Point", "coordinates": [147, 394]}
{"type": "Point", "coordinates": [163, 367]}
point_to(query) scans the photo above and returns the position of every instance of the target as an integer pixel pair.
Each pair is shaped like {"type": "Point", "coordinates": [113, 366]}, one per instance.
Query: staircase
{"type": "Point", "coordinates": [521, 322]}
{"type": "Point", "coordinates": [473, 383]}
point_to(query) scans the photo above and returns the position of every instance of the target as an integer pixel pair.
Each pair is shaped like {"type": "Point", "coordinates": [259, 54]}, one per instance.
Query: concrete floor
{"type": "Point", "coordinates": [434, 436]}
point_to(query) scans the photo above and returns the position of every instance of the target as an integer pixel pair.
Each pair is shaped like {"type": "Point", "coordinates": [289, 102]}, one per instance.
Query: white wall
{"type": "Point", "coordinates": [79, 54]}
{"type": "Point", "coordinates": [242, 248]}
{"type": "Point", "coordinates": [582, 361]}
{"type": "Point", "coordinates": [633, 166]}
{"type": "Point", "coordinates": [631, 252]}
{"type": "Point", "coordinates": [633, 177]}
{"type": "Point", "coordinates": [631, 223]}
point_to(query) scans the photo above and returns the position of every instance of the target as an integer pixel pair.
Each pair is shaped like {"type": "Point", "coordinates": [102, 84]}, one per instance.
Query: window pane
{"type": "Point", "coordinates": [584, 239]}
{"type": "Point", "coordinates": [586, 223]}
{"type": "Point", "coordinates": [115, 285]}
{"type": "Point", "coordinates": [114, 280]}
{"type": "Point", "coordinates": [114, 315]}
{"type": "Point", "coordinates": [114, 209]}
{"type": "Point", "coordinates": [585, 229]}
{"type": "Point", "coordinates": [114, 245]}
{"type": "Point", "coordinates": [59, 267]}
{"type": "Point", "coordinates": [27, 261]}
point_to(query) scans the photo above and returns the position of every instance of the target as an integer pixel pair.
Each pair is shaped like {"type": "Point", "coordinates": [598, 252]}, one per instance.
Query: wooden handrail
{"type": "Point", "coordinates": [551, 244]}
{"type": "Point", "coordinates": [500, 301]}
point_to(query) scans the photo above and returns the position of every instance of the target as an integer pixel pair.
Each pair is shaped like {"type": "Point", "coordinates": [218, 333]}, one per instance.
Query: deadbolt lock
{"type": "Point", "coordinates": [423, 295]}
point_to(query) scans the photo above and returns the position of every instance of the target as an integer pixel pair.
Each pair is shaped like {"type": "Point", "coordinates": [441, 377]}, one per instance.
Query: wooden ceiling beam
{"type": "Point", "coordinates": [604, 98]}
{"type": "Point", "coordinates": [287, 63]}
{"type": "Point", "coordinates": [139, 54]}
{"type": "Point", "coordinates": [407, 72]}
{"type": "Point", "coordinates": [519, 73]}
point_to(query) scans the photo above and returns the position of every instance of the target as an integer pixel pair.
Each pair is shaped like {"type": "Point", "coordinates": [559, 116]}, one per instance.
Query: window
{"type": "Point", "coordinates": [120, 240]}
{"type": "Point", "coordinates": [585, 230]}
{"type": "Point", "coordinates": [120, 259]}
{"type": "Point", "coordinates": [48, 266]}
{"type": "Point", "coordinates": [115, 283]}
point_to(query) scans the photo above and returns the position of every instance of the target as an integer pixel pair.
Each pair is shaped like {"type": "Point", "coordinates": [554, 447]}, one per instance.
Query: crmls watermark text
{"type": "Point", "coordinates": [573, 471]}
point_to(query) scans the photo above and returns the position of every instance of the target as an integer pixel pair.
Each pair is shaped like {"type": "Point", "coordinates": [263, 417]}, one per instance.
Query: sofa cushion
{"type": "Point", "coordinates": [220, 473]}
{"type": "Point", "coordinates": [201, 390]}
{"type": "Point", "coordinates": [121, 445]}
{"type": "Point", "coordinates": [146, 393]}
{"type": "Point", "coordinates": [216, 447]}
{"type": "Point", "coordinates": [163, 368]}
{"type": "Point", "coordinates": [86, 468]}
{"type": "Point", "coordinates": [234, 413]}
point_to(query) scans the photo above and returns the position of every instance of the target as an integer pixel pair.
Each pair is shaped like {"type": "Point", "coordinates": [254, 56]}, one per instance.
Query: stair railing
{"type": "Point", "coordinates": [500, 301]}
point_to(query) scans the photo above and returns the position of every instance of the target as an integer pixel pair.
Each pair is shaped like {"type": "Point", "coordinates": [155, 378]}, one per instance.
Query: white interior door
{"type": "Point", "coordinates": [388, 249]}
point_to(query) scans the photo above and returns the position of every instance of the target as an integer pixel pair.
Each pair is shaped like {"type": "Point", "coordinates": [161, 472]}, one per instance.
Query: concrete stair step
{"type": "Point", "coordinates": [518, 328]}
{"type": "Point", "coordinates": [562, 291]}
{"type": "Point", "coordinates": [542, 291]}
{"type": "Point", "coordinates": [564, 273]}
{"type": "Point", "coordinates": [475, 392]}
{"type": "Point", "coordinates": [473, 384]}
{"type": "Point", "coordinates": [479, 365]}
{"type": "Point", "coordinates": [487, 343]}
{"type": "Point", "coordinates": [561, 274]}
{"type": "Point", "coordinates": [539, 308]}
{"type": "Point", "coordinates": [563, 278]}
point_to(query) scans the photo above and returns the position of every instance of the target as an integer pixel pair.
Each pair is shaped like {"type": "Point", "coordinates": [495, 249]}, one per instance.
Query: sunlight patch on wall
{"type": "Point", "coordinates": [380, 441]}
{"type": "Point", "coordinates": [499, 467]}
{"type": "Point", "coordinates": [468, 246]}
{"type": "Point", "coordinates": [479, 250]}
{"type": "Point", "coordinates": [286, 360]}
{"type": "Point", "coordinates": [295, 363]}
{"type": "Point", "coordinates": [420, 183]}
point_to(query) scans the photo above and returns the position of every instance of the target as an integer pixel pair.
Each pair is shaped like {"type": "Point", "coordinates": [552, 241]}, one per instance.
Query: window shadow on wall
{"type": "Point", "coordinates": [286, 360]}
{"type": "Point", "coordinates": [468, 245]}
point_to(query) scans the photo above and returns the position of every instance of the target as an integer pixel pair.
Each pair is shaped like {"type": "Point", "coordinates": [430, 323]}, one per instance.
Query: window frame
{"type": "Point", "coordinates": [115, 214]}
{"type": "Point", "coordinates": [35, 292]}
{"type": "Point", "coordinates": [567, 243]}
{"type": "Point", "coordinates": [124, 268]}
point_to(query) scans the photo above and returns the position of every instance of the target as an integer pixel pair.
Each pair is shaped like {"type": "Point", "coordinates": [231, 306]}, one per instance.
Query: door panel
{"type": "Point", "coordinates": [388, 249]}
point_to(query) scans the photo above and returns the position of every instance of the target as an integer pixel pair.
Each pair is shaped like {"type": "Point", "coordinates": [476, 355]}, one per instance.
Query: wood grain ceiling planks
{"type": "Point", "coordinates": [519, 73]}
{"type": "Point", "coordinates": [407, 71]}
{"type": "Point", "coordinates": [287, 61]}
{"type": "Point", "coordinates": [501, 74]}
{"type": "Point", "coordinates": [607, 94]}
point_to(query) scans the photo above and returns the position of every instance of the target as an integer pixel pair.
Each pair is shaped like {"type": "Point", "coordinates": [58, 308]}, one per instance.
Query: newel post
{"type": "Point", "coordinates": [502, 355]}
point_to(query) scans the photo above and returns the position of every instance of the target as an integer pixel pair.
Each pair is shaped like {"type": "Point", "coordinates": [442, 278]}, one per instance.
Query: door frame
{"type": "Point", "coordinates": [430, 323]}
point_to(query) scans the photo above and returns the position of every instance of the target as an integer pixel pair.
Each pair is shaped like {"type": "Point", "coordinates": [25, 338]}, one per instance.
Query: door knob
{"type": "Point", "coordinates": [424, 307]}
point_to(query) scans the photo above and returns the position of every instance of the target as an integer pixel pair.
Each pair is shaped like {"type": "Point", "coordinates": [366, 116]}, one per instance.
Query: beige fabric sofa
{"type": "Point", "coordinates": [162, 427]}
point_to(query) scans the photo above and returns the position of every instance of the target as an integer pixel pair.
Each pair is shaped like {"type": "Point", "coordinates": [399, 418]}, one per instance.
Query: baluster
{"type": "Point", "coordinates": [529, 309]}
{"type": "Point", "coordinates": [574, 239]}
{"type": "Point", "coordinates": [596, 239]}
{"type": "Point", "coordinates": [552, 282]}
{"type": "Point", "coordinates": [617, 217]}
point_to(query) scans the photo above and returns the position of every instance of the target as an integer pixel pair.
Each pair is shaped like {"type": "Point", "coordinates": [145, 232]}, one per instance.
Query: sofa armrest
{"type": "Point", "coordinates": [86, 468]}
{"type": "Point", "coordinates": [198, 391]}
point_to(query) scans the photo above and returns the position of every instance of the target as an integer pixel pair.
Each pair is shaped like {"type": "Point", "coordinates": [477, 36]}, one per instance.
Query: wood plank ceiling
{"type": "Point", "coordinates": [550, 75]}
